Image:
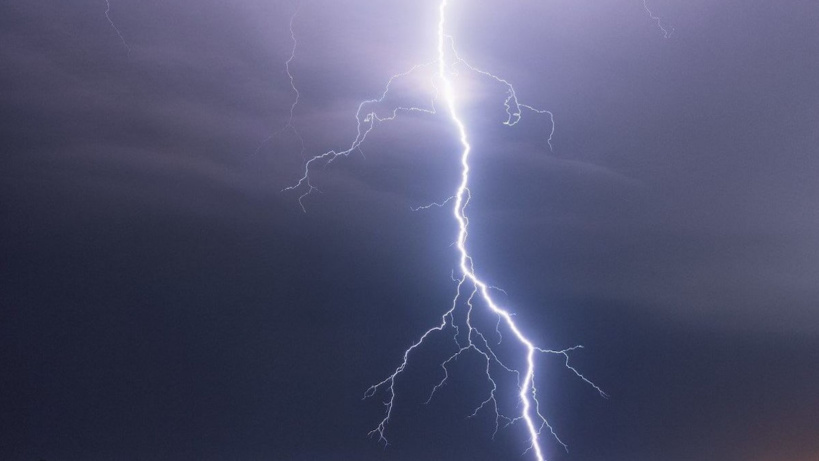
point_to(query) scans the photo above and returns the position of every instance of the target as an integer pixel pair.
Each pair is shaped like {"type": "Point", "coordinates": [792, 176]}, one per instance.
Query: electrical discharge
{"type": "Point", "coordinates": [470, 288]}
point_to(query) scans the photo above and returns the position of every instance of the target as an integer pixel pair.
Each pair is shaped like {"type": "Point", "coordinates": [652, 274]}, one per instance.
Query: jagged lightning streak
{"type": "Point", "coordinates": [667, 31]}
{"type": "Point", "coordinates": [290, 125]}
{"type": "Point", "coordinates": [466, 266]}
{"type": "Point", "coordinates": [114, 26]}
{"type": "Point", "coordinates": [365, 123]}
{"type": "Point", "coordinates": [530, 413]}
{"type": "Point", "coordinates": [468, 281]}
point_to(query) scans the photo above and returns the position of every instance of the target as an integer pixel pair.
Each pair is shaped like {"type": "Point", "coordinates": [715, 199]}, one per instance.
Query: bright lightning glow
{"type": "Point", "coordinates": [470, 288]}
{"type": "Point", "coordinates": [114, 26]}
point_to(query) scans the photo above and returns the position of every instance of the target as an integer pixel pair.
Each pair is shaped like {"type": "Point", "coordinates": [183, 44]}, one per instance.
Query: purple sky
{"type": "Point", "coordinates": [163, 299]}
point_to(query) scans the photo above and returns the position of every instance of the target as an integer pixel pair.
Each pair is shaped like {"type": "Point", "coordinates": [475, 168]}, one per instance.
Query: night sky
{"type": "Point", "coordinates": [162, 299]}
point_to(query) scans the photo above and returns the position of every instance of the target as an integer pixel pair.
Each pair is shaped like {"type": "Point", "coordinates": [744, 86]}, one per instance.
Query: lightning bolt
{"type": "Point", "coordinates": [114, 26]}
{"type": "Point", "coordinates": [666, 31]}
{"type": "Point", "coordinates": [290, 125]}
{"type": "Point", "coordinates": [471, 289]}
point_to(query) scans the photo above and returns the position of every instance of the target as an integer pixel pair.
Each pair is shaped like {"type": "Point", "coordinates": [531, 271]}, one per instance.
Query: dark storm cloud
{"type": "Point", "coordinates": [163, 299]}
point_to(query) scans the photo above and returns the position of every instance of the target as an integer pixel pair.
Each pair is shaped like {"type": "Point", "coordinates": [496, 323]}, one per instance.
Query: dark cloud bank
{"type": "Point", "coordinates": [162, 299]}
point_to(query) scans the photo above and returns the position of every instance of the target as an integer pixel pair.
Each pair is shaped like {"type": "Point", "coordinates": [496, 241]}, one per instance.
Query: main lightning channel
{"type": "Point", "coordinates": [527, 388]}
{"type": "Point", "coordinates": [470, 287]}
{"type": "Point", "coordinates": [530, 413]}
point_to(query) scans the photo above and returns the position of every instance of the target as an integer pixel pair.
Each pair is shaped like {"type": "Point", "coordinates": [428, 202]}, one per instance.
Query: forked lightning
{"type": "Point", "coordinates": [471, 289]}
{"type": "Point", "coordinates": [469, 286]}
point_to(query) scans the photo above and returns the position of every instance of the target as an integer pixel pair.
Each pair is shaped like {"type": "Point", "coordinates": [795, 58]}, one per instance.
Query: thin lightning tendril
{"type": "Point", "coordinates": [290, 125]}
{"type": "Point", "coordinates": [512, 105]}
{"type": "Point", "coordinates": [434, 204]}
{"type": "Point", "coordinates": [365, 122]}
{"type": "Point", "coordinates": [667, 31]}
{"type": "Point", "coordinates": [470, 288]}
{"type": "Point", "coordinates": [287, 65]}
{"type": "Point", "coordinates": [114, 26]}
